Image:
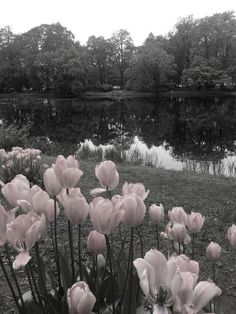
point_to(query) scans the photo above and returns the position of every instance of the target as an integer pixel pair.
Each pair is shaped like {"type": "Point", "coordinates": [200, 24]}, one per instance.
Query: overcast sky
{"type": "Point", "coordinates": [102, 17]}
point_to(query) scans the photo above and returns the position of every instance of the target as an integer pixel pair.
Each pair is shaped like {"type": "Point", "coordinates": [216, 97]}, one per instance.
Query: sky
{"type": "Point", "coordinates": [85, 18]}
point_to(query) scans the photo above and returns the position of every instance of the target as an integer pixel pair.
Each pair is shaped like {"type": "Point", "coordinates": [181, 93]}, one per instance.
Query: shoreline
{"type": "Point", "coordinates": [123, 94]}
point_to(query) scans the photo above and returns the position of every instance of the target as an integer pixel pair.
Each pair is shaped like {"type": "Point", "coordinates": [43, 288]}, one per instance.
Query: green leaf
{"type": "Point", "coordinates": [65, 272]}
{"type": "Point", "coordinates": [33, 308]}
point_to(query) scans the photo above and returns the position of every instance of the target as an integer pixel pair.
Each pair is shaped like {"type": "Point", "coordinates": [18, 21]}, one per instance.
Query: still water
{"type": "Point", "coordinates": [197, 134]}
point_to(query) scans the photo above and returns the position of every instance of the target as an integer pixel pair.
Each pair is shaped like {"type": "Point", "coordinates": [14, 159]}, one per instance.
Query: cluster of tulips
{"type": "Point", "coordinates": [19, 160]}
{"type": "Point", "coordinates": [109, 284]}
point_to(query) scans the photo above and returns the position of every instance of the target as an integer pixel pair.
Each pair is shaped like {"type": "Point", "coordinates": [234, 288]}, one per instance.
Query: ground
{"type": "Point", "coordinates": [214, 197]}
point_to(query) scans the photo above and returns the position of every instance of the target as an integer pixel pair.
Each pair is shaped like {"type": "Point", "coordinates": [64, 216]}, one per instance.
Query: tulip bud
{"type": "Point", "coordinates": [96, 242]}
{"type": "Point", "coordinates": [156, 213]}
{"type": "Point", "coordinates": [195, 222]}
{"type": "Point", "coordinates": [134, 208]}
{"type": "Point", "coordinates": [107, 174]}
{"type": "Point", "coordinates": [135, 188]}
{"type": "Point", "coordinates": [80, 299]}
{"type": "Point", "coordinates": [51, 182]}
{"type": "Point", "coordinates": [231, 234]}
{"type": "Point", "coordinates": [213, 252]}
{"type": "Point", "coordinates": [177, 214]}
{"type": "Point", "coordinates": [178, 232]}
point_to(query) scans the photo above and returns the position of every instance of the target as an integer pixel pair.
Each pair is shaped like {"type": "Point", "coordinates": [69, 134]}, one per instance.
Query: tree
{"type": "Point", "coordinates": [122, 52]}
{"type": "Point", "coordinates": [100, 51]}
{"type": "Point", "coordinates": [151, 67]}
{"type": "Point", "coordinates": [181, 42]}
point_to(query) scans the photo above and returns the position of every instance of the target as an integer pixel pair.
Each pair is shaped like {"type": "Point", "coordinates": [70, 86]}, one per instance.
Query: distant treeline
{"type": "Point", "coordinates": [198, 53]}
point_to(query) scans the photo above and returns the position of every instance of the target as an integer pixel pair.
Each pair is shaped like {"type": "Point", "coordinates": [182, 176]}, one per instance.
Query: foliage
{"type": "Point", "coordinates": [47, 57]}
{"type": "Point", "coordinates": [13, 135]}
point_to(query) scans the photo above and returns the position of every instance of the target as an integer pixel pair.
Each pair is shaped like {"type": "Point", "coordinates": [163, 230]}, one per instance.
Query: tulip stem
{"type": "Point", "coordinates": [41, 273]}
{"type": "Point", "coordinates": [111, 272]}
{"type": "Point", "coordinates": [131, 268]}
{"type": "Point", "coordinates": [70, 233]}
{"type": "Point", "coordinates": [126, 277]}
{"type": "Point", "coordinates": [56, 248]}
{"type": "Point", "coordinates": [30, 282]}
{"type": "Point", "coordinates": [140, 240]}
{"type": "Point", "coordinates": [36, 287]}
{"type": "Point", "coordinates": [179, 248]}
{"type": "Point", "coordinates": [193, 245]}
{"type": "Point", "coordinates": [158, 240]}
{"type": "Point", "coordinates": [10, 285]}
{"type": "Point", "coordinates": [14, 277]}
{"type": "Point", "coordinates": [79, 251]}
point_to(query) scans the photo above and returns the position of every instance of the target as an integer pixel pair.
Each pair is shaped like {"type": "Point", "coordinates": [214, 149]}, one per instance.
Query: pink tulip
{"type": "Point", "coordinates": [178, 233]}
{"type": "Point", "coordinates": [231, 234]}
{"type": "Point", "coordinates": [105, 218]}
{"type": "Point", "coordinates": [135, 188]}
{"type": "Point", "coordinates": [67, 171]}
{"type": "Point", "coordinates": [156, 213]}
{"type": "Point", "coordinates": [107, 174]}
{"type": "Point", "coordinates": [213, 252]}
{"type": "Point", "coordinates": [96, 242]}
{"type": "Point", "coordinates": [49, 211]}
{"type": "Point", "coordinates": [160, 279]}
{"type": "Point", "coordinates": [75, 208]}
{"type": "Point", "coordinates": [177, 214]}
{"type": "Point", "coordinates": [184, 264]}
{"type": "Point", "coordinates": [80, 299]}
{"type": "Point", "coordinates": [13, 191]}
{"type": "Point", "coordinates": [34, 200]}
{"type": "Point", "coordinates": [52, 185]}
{"type": "Point", "coordinates": [134, 209]}
{"type": "Point", "coordinates": [22, 233]}
{"type": "Point", "coordinates": [195, 222]}
{"type": "Point", "coordinates": [203, 293]}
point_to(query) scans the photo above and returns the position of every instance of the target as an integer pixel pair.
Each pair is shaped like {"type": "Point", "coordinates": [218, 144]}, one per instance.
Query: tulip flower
{"type": "Point", "coordinates": [156, 213]}
{"type": "Point", "coordinates": [67, 171]}
{"type": "Point", "coordinates": [195, 222]}
{"type": "Point", "coordinates": [107, 174]}
{"type": "Point", "coordinates": [105, 218]}
{"type": "Point", "coordinates": [49, 211]}
{"type": "Point", "coordinates": [13, 190]}
{"type": "Point", "coordinates": [184, 264]}
{"type": "Point", "coordinates": [135, 188]}
{"type": "Point", "coordinates": [80, 299]}
{"type": "Point", "coordinates": [35, 200]}
{"type": "Point", "coordinates": [96, 242]}
{"type": "Point", "coordinates": [134, 209]}
{"type": "Point", "coordinates": [23, 233]}
{"type": "Point", "coordinates": [231, 234]}
{"type": "Point", "coordinates": [177, 214]}
{"type": "Point", "coordinates": [178, 233]}
{"type": "Point", "coordinates": [203, 293]}
{"type": "Point", "coordinates": [160, 279]}
{"type": "Point", "coordinates": [75, 208]}
{"type": "Point", "coordinates": [52, 185]}
{"type": "Point", "coordinates": [213, 252]}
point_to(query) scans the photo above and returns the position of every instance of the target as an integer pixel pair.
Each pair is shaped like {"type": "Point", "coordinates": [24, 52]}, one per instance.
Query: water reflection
{"type": "Point", "coordinates": [186, 133]}
{"type": "Point", "coordinates": [157, 156]}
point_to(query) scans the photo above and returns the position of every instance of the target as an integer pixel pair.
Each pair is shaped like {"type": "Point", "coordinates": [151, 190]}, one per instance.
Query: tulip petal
{"type": "Point", "coordinates": [21, 260]}
{"type": "Point", "coordinates": [203, 293]}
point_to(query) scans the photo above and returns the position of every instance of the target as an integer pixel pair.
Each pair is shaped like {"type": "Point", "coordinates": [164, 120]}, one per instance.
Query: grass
{"type": "Point", "coordinates": [212, 196]}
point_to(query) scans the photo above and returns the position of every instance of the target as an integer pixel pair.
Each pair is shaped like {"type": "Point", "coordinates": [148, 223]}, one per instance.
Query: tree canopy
{"type": "Point", "coordinates": [198, 53]}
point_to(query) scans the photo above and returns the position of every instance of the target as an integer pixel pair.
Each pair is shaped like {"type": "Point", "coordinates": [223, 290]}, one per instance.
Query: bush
{"type": "Point", "coordinates": [13, 135]}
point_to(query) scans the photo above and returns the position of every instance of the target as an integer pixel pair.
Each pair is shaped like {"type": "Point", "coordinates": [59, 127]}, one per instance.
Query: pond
{"type": "Point", "coordinates": [197, 134]}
